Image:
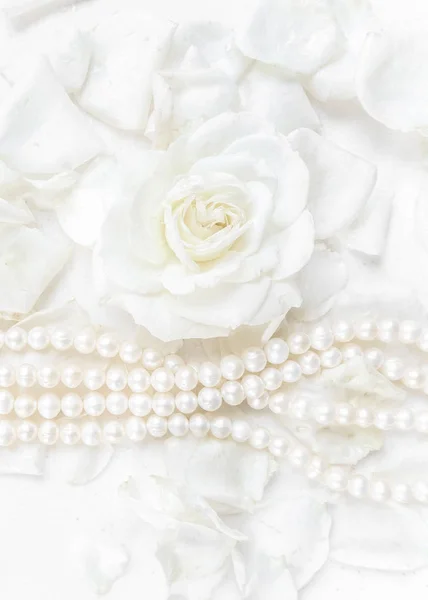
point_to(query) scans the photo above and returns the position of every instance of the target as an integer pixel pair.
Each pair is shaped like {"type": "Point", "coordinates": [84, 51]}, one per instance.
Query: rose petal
{"type": "Point", "coordinates": [70, 57]}
{"type": "Point", "coordinates": [18, 214]}
{"type": "Point", "coordinates": [369, 233]}
{"type": "Point", "coordinates": [296, 244]}
{"type": "Point", "coordinates": [25, 459]}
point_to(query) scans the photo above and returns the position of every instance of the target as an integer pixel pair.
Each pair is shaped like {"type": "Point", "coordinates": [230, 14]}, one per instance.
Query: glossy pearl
{"type": "Point", "coordinates": [130, 353]}
{"type": "Point", "coordinates": [254, 359]}
{"type": "Point", "coordinates": [374, 357]}
{"type": "Point", "coordinates": [393, 368]}
{"type": "Point", "coordinates": [272, 379]}
{"type": "Point", "coordinates": [278, 447]}
{"type": "Point", "coordinates": [49, 406]}
{"type": "Point", "coordinates": [186, 402]}
{"type": "Point", "coordinates": [366, 330]}
{"type": "Point", "coordinates": [94, 404]}
{"type": "Point", "coordinates": [140, 405]}
{"type": "Point", "coordinates": [69, 433]}
{"type": "Point", "coordinates": [298, 343]}
{"type": "Point", "coordinates": [336, 478]}
{"type": "Point", "coordinates": [199, 425]}
{"type": "Point", "coordinates": [358, 486]}
{"type": "Point", "coordinates": [422, 342]}
{"type": "Point", "coordinates": [321, 338]}
{"type": "Point", "coordinates": [310, 363]}
{"type": "Point", "coordinates": [90, 433]}
{"type": "Point", "coordinates": [48, 377]}
{"type": "Point", "coordinates": [351, 351]}
{"type": "Point", "coordinates": [163, 404]}
{"type": "Point", "coordinates": [343, 331]}
{"type": "Point", "coordinates": [72, 376]}
{"type": "Point", "coordinates": [94, 379]}
{"type": "Point", "coordinates": [26, 376]}
{"type": "Point", "coordinates": [85, 341]}
{"type": "Point", "coordinates": [209, 374]}
{"type": "Point", "coordinates": [241, 431]}
{"type": "Point", "coordinates": [387, 330]}
{"type": "Point", "coordinates": [25, 406]}
{"type": "Point", "coordinates": [379, 491]}
{"type": "Point", "coordinates": [404, 419]}
{"type": "Point", "coordinates": [419, 491]}
{"type": "Point", "coordinates": [291, 371]}
{"type": "Point", "coordinates": [300, 407]}
{"type": "Point", "coordinates": [7, 433]}
{"type": "Point", "coordinates": [345, 414]}
{"type": "Point", "coordinates": [173, 362]}
{"type": "Point", "coordinates": [72, 405]}
{"type": "Point", "coordinates": [315, 468]}
{"type": "Point", "coordinates": [6, 402]}
{"type": "Point", "coordinates": [221, 427]}
{"type": "Point", "coordinates": [48, 433]}
{"type": "Point", "coordinates": [413, 378]}
{"type": "Point", "coordinates": [383, 419]}
{"type": "Point", "coordinates": [401, 492]}
{"type": "Point", "coordinates": [113, 432]}
{"type": "Point", "coordinates": [38, 338]}
{"type": "Point", "coordinates": [186, 378]}
{"type": "Point", "coordinates": [107, 345]}
{"type": "Point", "coordinates": [421, 422]}
{"type": "Point", "coordinates": [277, 351]}
{"type": "Point", "coordinates": [331, 358]}
{"type": "Point", "coordinates": [233, 393]}
{"type": "Point", "coordinates": [62, 339]}
{"type": "Point", "coordinates": [324, 412]}
{"type": "Point", "coordinates": [258, 403]}
{"type": "Point", "coordinates": [162, 380]}
{"type": "Point", "coordinates": [364, 417]}
{"type": "Point", "coordinates": [232, 367]}
{"type": "Point", "coordinates": [278, 403]}
{"type": "Point", "coordinates": [298, 457]}
{"type": "Point", "coordinates": [178, 425]}
{"type": "Point", "coordinates": [15, 339]}
{"type": "Point", "coordinates": [157, 426]}
{"type": "Point", "coordinates": [409, 332]}
{"type": "Point", "coordinates": [116, 379]}
{"type": "Point", "coordinates": [7, 376]}
{"type": "Point", "coordinates": [152, 359]}
{"type": "Point", "coordinates": [139, 380]}
{"type": "Point", "coordinates": [260, 438]}
{"type": "Point", "coordinates": [209, 399]}
{"type": "Point", "coordinates": [26, 431]}
{"type": "Point", "coordinates": [135, 429]}
{"type": "Point", "coordinates": [117, 403]}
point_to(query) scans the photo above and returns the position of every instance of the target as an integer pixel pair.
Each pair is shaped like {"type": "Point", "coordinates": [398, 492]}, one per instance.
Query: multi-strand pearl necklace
{"type": "Point", "coordinates": [143, 392]}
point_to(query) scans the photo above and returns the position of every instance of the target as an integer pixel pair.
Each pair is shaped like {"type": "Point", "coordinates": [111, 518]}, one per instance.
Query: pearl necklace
{"type": "Point", "coordinates": [167, 391]}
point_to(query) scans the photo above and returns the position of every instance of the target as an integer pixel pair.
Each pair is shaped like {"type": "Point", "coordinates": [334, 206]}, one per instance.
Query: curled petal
{"type": "Point", "coordinates": [295, 244]}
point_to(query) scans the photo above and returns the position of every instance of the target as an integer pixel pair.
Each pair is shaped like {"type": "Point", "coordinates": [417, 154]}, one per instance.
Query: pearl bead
{"type": "Point", "coordinates": [366, 330]}
{"type": "Point", "coordinates": [374, 357]}
{"type": "Point", "coordinates": [178, 425]}
{"type": "Point", "coordinates": [364, 417]}
{"type": "Point", "coordinates": [130, 353]}
{"type": "Point", "coordinates": [107, 345]}
{"type": "Point", "coordinates": [16, 339]}
{"type": "Point", "coordinates": [26, 376]}
{"type": "Point", "coordinates": [116, 379]}
{"type": "Point", "coordinates": [393, 368]}
{"type": "Point", "coordinates": [25, 406]}
{"type": "Point", "coordinates": [85, 341]}
{"type": "Point", "coordinates": [310, 363]}
{"type": "Point", "coordinates": [232, 367]}
{"type": "Point", "coordinates": [421, 422]}
{"type": "Point", "coordinates": [49, 406]}
{"type": "Point", "coordinates": [351, 351]}
{"type": "Point", "coordinates": [422, 342]}
{"type": "Point", "coordinates": [162, 380]}
{"type": "Point", "coordinates": [387, 330]}
{"type": "Point", "coordinates": [253, 386]}
{"type": "Point", "coordinates": [62, 339]}
{"type": "Point", "coordinates": [7, 433]}
{"type": "Point", "coordinates": [48, 377]}
{"type": "Point", "coordinates": [157, 426]}
{"type": "Point", "coordinates": [26, 432]}
{"type": "Point", "coordinates": [113, 432]}
{"type": "Point", "coordinates": [241, 431]}
{"type": "Point", "coordinates": [140, 405]}
{"type": "Point", "coordinates": [401, 492]}
{"type": "Point", "coordinates": [383, 419]}
{"type": "Point", "coordinates": [300, 407]}
{"type": "Point", "coordinates": [186, 378]}
{"type": "Point", "coordinates": [343, 331]}
{"type": "Point", "coordinates": [345, 414]}
{"type": "Point", "coordinates": [298, 343]}
{"type": "Point", "coordinates": [420, 491]}
{"type": "Point", "coordinates": [117, 403]}
{"type": "Point", "coordinates": [291, 371]}
{"type": "Point", "coordinates": [209, 399]}
{"type": "Point", "coordinates": [315, 467]}
{"type": "Point", "coordinates": [258, 403]}
{"type": "Point", "coordinates": [331, 358]}
{"type": "Point", "coordinates": [379, 491]}
{"type": "Point", "coordinates": [278, 403]}
{"type": "Point", "coordinates": [94, 379]}
{"type": "Point", "coordinates": [409, 332]}
{"type": "Point", "coordinates": [152, 359]}
{"type": "Point", "coordinates": [7, 376]}
{"type": "Point", "coordinates": [324, 412]}
{"type": "Point", "coordinates": [358, 486]}
{"type": "Point", "coordinates": [199, 425]}
{"type": "Point", "coordinates": [260, 438]}
{"type": "Point", "coordinates": [72, 405]}
{"type": "Point", "coordinates": [38, 338]}
{"type": "Point", "coordinates": [48, 433]}
{"type": "Point", "coordinates": [413, 378]}
{"type": "Point", "coordinates": [298, 457]}
{"type": "Point", "coordinates": [221, 427]}
{"type": "Point", "coordinates": [173, 362]}
{"type": "Point", "coordinates": [72, 376]}
{"type": "Point", "coordinates": [276, 351]}
{"type": "Point", "coordinates": [94, 404]}
{"type": "Point", "coordinates": [186, 402]}
{"type": "Point", "coordinates": [69, 433]}
{"type": "Point", "coordinates": [139, 380]}
{"type": "Point", "coordinates": [321, 338]}
{"type": "Point", "coordinates": [272, 378]}
{"type": "Point", "coordinates": [209, 374]}
{"type": "Point", "coordinates": [254, 359]}
{"type": "Point", "coordinates": [135, 429]}
{"type": "Point", "coordinates": [404, 419]}
{"type": "Point", "coordinates": [90, 433]}
{"type": "Point", "coordinates": [6, 402]}
{"type": "Point", "coordinates": [163, 404]}
{"type": "Point", "coordinates": [278, 447]}
{"type": "Point", "coordinates": [336, 478]}
{"type": "Point", "coordinates": [233, 393]}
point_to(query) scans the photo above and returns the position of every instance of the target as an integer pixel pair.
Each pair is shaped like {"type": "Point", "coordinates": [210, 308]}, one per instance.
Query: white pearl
{"type": "Point", "coordinates": [94, 378]}
{"type": "Point", "coordinates": [38, 338]}
{"type": "Point", "coordinates": [321, 338]}
{"type": "Point", "coordinates": [379, 491]}
{"type": "Point", "coordinates": [300, 407]}
{"type": "Point", "coordinates": [157, 426]}
{"type": "Point", "coordinates": [393, 368]}
{"type": "Point", "coordinates": [413, 378]}
{"type": "Point", "coordinates": [199, 425]}
{"type": "Point", "coordinates": [401, 492]}
{"type": "Point", "coordinates": [26, 431]}
{"type": "Point", "coordinates": [404, 419]}
{"type": "Point", "coordinates": [162, 380]}
{"type": "Point", "coordinates": [163, 404]}
{"type": "Point", "coordinates": [272, 378]}
{"type": "Point", "coordinates": [140, 405]}
{"type": "Point", "coordinates": [152, 359]}
{"type": "Point", "coordinates": [298, 343]}
{"type": "Point", "coordinates": [421, 422]}
{"type": "Point", "coordinates": [310, 363]}
{"type": "Point", "coordinates": [116, 379]}
{"type": "Point", "coordinates": [383, 419]}
{"type": "Point", "coordinates": [358, 486]}
{"type": "Point", "coordinates": [186, 402]}
{"type": "Point", "coordinates": [233, 393]}
{"type": "Point", "coordinates": [85, 341]}
{"type": "Point", "coordinates": [16, 339]}
{"type": "Point", "coordinates": [351, 351]}
{"type": "Point", "coordinates": [72, 405]}
{"type": "Point", "coordinates": [94, 404]}
{"type": "Point", "coordinates": [366, 330]}
{"type": "Point", "coordinates": [139, 380]}
{"type": "Point", "coordinates": [7, 376]}
{"type": "Point", "coordinates": [48, 377]}
{"type": "Point", "coordinates": [135, 429]}
{"type": "Point", "coordinates": [26, 376]}
{"type": "Point", "coordinates": [6, 402]}
{"type": "Point", "coordinates": [232, 367]}
{"type": "Point", "coordinates": [186, 378]}
{"type": "Point", "coordinates": [254, 359]}
{"type": "Point", "coordinates": [420, 491]}
{"type": "Point", "coordinates": [260, 438]}
{"type": "Point", "coordinates": [72, 376]}
{"type": "Point", "coordinates": [409, 332]}
{"type": "Point", "coordinates": [117, 403]}
{"type": "Point", "coordinates": [422, 342]}
{"type": "Point", "coordinates": [69, 433]}
{"type": "Point", "coordinates": [25, 406]}
{"type": "Point", "coordinates": [209, 399]}
{"type": "Point", "coordinates": [7, 433]}
{"type": "Point", "coordinates": [298, 457]}
{"type": "Point", "coordinates": [278, 447]}
{"type": "Point", "coordinates": [324, 412]}
{"type": "Point", "coordinates": [221, 427]}
{"type": "Point", "coordinates": [178, 425]}
{"type": "Point", "coordinates": [209, 374]}
{"type": "Point", "coordinates": [345, 414]}
{"type": "Point", "coordinates": [130, 353]}
{"type": "Point", "coordinates": [374, 357]}
{"type": "Point", "coordinates": [336, 478]}
{"type": "Point", "coordinates": [49, 406]}
{"type": "Point", "coordinates": [258, 403]}
{"type": "Point", "coordinates": [173, 362]}
{"type": "Point", "coordinates": [253, 386]}
{"type": "Point", "coordinates": [364, 417]}
{"type": "Point", "coordinates": [343, 331]}
{"type": "Point", "coordinates": [331, 358]}
{"type": "Point", "coordinates": [291, 371]}
{"type": "Point", "coordinates": [315, 467]}
{"type": "Point", "coordinates": [62, 339]}
{"type": "Point", "coordinates": [48, 433]}
{"type": "Point", "coordinates": [387, 330]}
{"type": "Point", "coordinates": [277, 351]}
{"type": "Point", "coordinates": [107, 345]}
{"type": "Point", "coordinates": [90, 433]}
{"type": "Point", "coordinates": [278, 403]}
{"type": "Point", "coordinates": [113, 432]}
{"type": "Point", "coordinates": [241, 431]}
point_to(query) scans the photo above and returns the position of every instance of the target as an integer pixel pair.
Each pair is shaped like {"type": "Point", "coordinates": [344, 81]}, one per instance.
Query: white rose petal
{"type": "Point", "coordinates": [369, 234]}
{"type": "Point", "coordinates": [70, 58]}
{"type": "Point", "coordinates": [15, 214]}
